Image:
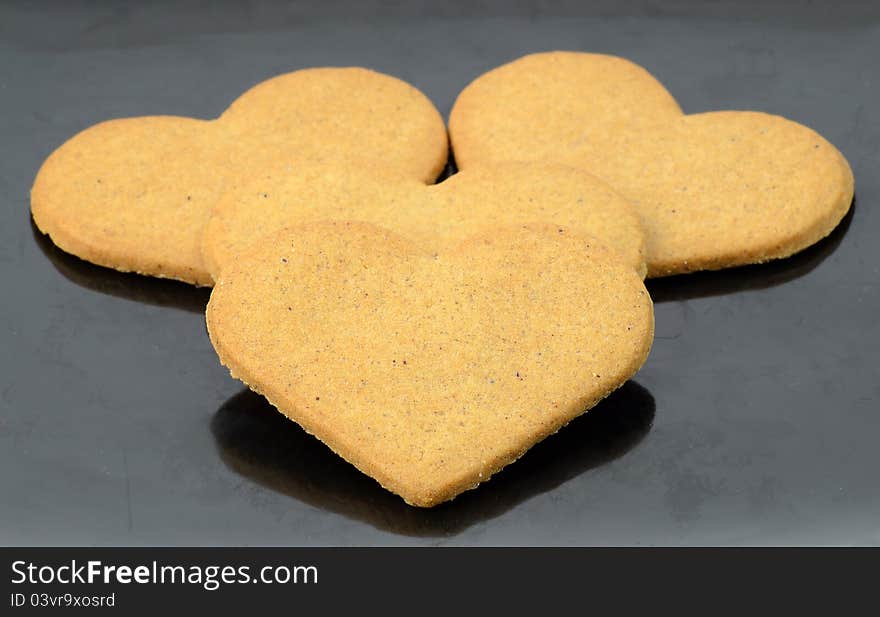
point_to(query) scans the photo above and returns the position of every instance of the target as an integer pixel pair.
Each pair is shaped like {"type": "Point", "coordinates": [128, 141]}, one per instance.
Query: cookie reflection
{"type": "Point", "coordinates": [758, 276]}
{"type": "Point", "coordinates": [147, 289]}
{"type": "Point", "coordinates": [256, 441]}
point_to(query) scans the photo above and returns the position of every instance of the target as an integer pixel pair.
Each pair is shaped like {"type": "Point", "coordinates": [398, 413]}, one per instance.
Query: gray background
{"type": "Point", "coordinates": [754, 421]}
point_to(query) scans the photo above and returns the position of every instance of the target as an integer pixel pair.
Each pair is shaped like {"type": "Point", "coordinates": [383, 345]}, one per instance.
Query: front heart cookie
{"type": "Point", "coordinates": [434, 216]}
{"type": "Point", "coordinates": [135, 194]}
{"type": "Point", "coordinates": [714, 190]}
{"type": "Point", "coordinates": [430, 372]}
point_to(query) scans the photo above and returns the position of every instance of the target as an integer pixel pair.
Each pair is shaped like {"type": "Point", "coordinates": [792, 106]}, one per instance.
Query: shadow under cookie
{"type": "Point", "coordinates": [128, 285]}
{"type": "Point", "coordinates": [259, 443]}
{"type": "Point", "coordinates": [752, 277]}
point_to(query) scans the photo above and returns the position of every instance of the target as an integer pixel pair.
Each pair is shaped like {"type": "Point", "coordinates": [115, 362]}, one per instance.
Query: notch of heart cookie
{"type": "Point", "coordinates": [430, 372]}
{"type": "Point", "coordinates": [714, 190]}
{"type": "Point", "coordinates": [467, 203]}
{"type": "Point", "coordinates": [134, 194]}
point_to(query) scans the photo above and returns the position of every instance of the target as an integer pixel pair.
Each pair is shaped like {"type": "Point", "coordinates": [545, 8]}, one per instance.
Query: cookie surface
{"type": "Point", "coordinates": [714, 190]}
{"type": "Point", "coordinates": [135, 194]}
{"type": "Point", "coordinates": [430, 372]}
{"type": "Point", "coordinates": [434, 216]}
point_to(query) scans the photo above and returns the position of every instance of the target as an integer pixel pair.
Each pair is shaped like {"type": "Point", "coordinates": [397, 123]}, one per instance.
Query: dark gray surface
{"type": "Point", "coordinates": [754, 421]}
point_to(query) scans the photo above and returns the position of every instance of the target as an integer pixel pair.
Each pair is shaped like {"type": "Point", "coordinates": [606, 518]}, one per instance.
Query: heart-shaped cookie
{"type": "Point", "coordinates": [434, 216]}
{"type": "Point", "coordinates": [430, 372]}
{"type": "Point", "coordinates": [714, 190]}
{"type": "Point", "coordinates": [134, 194]}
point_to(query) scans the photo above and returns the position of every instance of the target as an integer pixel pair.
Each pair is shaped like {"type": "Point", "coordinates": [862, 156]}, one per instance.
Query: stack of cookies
{"type": "Point", "coordinates": [428, 333]}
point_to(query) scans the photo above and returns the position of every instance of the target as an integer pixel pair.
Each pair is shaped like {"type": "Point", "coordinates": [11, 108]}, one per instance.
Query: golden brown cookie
{"type": "Point", "coordinates": [714, 189]}
{"type": "Point", "coordinates": [135, 194]}
{"type": "Point", "coordinates": [430, 372]}
{"type": "Point", "coordinates": [465, 204]}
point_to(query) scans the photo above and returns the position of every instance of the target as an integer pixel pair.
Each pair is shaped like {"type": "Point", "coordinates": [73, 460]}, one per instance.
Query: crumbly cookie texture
{"type": "Point", "coordinates": [135, 194]}
{"type": "Point", "coordinates": [430, 371]}
{"type": "Point", "coordinates": [434, 216]}
{"type": "Point", "coordinates": [714, 190]}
